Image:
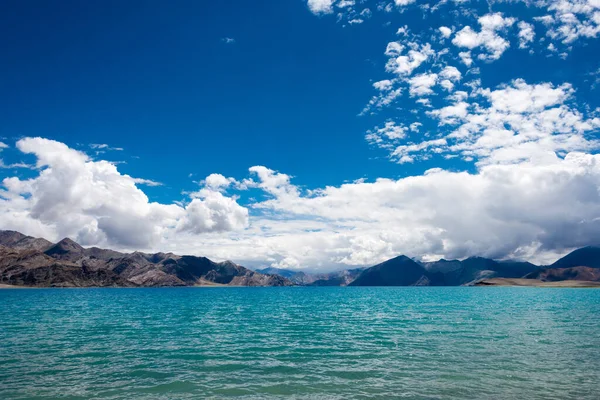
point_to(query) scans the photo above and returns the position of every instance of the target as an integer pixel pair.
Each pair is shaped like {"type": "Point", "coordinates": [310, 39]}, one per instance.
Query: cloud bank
{"type": "Point", "coordinates": [525, 209]}
{"type": "Point", "coordinates": [93, 203]}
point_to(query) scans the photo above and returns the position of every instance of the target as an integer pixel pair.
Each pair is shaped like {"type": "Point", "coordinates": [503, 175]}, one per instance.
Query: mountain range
{"type": "Point", "coordinates": [580, 265]}
{"type": "Point", "coordinates": [29, 261]}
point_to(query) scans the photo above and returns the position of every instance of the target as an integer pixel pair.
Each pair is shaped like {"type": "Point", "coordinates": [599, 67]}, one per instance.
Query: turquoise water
{"type": "Point", "coordinates": [322, 343]}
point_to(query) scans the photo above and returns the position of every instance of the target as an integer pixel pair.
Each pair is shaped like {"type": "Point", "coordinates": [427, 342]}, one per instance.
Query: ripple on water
{"type": "Point", "coordinates": [301, 343]}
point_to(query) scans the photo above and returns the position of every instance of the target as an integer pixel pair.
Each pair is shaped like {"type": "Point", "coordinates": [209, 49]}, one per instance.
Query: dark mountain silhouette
{"type": "Point", "coordinates": [584, 257]}
{"type": "Point", "coordinates": [36, 262]}
{"type": "Point", "coordinates": [399, 271]}
{"type": "Point", "coordinates": [455, 272]}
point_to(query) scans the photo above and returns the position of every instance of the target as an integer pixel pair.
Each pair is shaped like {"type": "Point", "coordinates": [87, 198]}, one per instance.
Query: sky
{"type": "Point", "coordinates": [304, 134]}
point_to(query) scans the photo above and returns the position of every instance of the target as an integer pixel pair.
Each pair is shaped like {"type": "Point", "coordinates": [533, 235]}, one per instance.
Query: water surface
{"type": "Point", "coordinates": [304, 343]}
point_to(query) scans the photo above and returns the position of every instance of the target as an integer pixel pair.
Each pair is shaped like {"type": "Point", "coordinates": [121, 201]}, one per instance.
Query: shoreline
{"type": "Point", "coordinates": [5, 286]}
{"type": "Point", "coordinates": [521, 282]}
{"type": "Point", "coordinates": [493, 282]}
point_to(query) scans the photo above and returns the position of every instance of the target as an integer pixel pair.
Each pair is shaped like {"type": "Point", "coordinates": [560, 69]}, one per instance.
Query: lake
{"type": "Point", "coordinates": [300, 342]}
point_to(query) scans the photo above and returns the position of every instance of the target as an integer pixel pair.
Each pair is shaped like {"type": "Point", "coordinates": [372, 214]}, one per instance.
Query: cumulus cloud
{"type": "Point", "coordinates": [448, 77]}
{"type": "Point", "coordinates": [403, 64]}
{"type": "Point", "coordinates": [420, 85]}
{"type": "Point", "coordinates": [487, 38]}
{"type": "Point", "coordinates": [92, 202]}
{"type": "Point", "coordinates": [212, 212]}
{"type": "Point", "coordinates": [524, 209]}
{"type": "Point", "coordinates": [445, 31]}
{"type": "Point", "coordinates": [465, 57]}
{"type": "Point", "coordinates": [320, 6]}
{"type": "Point", "coordinates": [526, 34]}
{"type": "Point", "coordinates": [383, 85]}
{"type": "Point", "coordinates": [218, 182]}
{"type": "Point", "coordinates": [570, 20]}
{"type": "Point", "coordinates": [510, 124]}
{"type": "Point", "coordinates": [521, 210]}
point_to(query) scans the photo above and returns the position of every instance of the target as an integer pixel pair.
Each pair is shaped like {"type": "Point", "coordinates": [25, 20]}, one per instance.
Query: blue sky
{"type": "Point", "coordinates": [175, 93]}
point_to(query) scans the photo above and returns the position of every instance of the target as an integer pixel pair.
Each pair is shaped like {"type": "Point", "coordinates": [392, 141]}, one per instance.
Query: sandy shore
{"type": "Point", "coordinates": [5, 286]}
{"type": "Point", "coordinates": [537, 283]}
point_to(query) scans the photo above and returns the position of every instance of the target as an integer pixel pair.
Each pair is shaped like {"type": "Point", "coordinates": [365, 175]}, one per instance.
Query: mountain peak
{"type": "Point", "coordinates": [65, 246]}
{"type": "Point", "coordinates": [19, 241]}
{"type": "Point", "coordinates": [588, 256]}
{"type": "Point", "coordinates": [70, 243]}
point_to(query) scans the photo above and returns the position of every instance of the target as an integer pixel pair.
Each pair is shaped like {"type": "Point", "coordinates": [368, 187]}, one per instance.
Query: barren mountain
{"type": "Point", "coordinates": [36, 262]}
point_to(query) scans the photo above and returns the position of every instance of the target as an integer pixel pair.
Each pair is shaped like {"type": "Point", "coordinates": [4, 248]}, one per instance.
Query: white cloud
{"type": "Point", "coordinates": [402, 31]}
{"type": "Point", "coordinates": [451, 73]}
{"type": "Point", "coordinates": [571, 19]}
{"type": "Point", "coordinates": [527, 142]}
{"type": "Point", "coordinates": [466, 58]}
{"type": "Point", "coordinates": [403, 3]}
{"type": "Point", "coordinates": [404, 65]}
{"type": "Point", "coordinates": [104, 147]}
{"type": "Point", "coordinates": [390, 132]}
{"type": "Point", "coordinates": [526, 34]}
{"type": "Point", "coordinates": [510, 124]}
{"type": "Point", "coordinates": [383, 99]}
{"type": "Point", "coordinates": [92, 202]}
{"type": "Point", "coordinates": [213, 212]}
{"type": "Point", "coordinates": [445, 31]}
{"type": "Point", "coordinates": [218, 182]}
{"type": "Point", "coordinates": [522, 210]}
{"type": "Point", "coordinates": [420, 85]}
{"type": "Point", "coordinates": [407, 153]}
{"type": "Point", "coordinates": [487, 37]}
{"type": "Point", "coordinates": [228, 40]}
{"type": "Point", "coordinates": [147, 182]}
{"type": "Point", "coordinates": [320, 6]}
{"type": "Point", "coordinates": [415, 126]}
{"type": "Point", "coordinates": [393, 49]}
{"type": "Point", "coordinates": [383, 85]}
{"type": "Point", "coordinates": [451, 114]}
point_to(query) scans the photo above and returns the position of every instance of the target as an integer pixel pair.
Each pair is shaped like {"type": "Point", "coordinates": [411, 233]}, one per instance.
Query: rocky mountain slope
{"type": "Point", "coordinates": [29, 261]}
{"type": "Point", "coordinates": [36, 262]}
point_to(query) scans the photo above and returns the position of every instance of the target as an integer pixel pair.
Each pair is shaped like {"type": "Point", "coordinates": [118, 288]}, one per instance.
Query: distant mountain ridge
{"type": "Point", "coordinates": [582, 264]}
{"type": "Point", "coordinates": [338, 278]}
{"type": "Point", "coordinates": [29, 261]}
